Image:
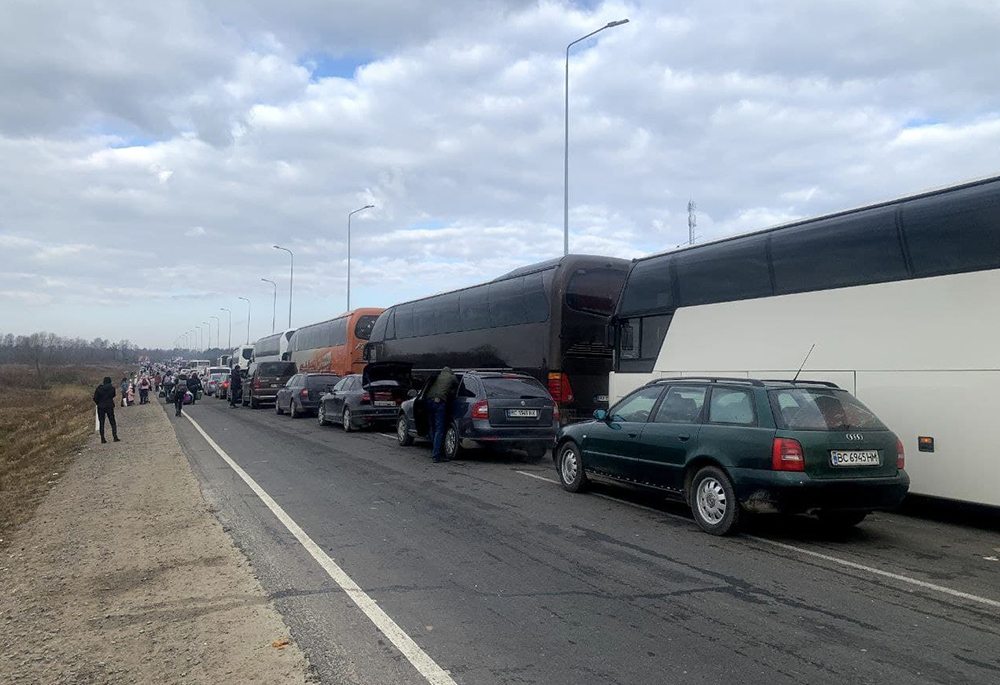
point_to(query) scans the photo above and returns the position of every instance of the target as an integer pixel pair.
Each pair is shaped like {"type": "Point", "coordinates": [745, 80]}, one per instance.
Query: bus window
{"type": "Point", "coordinates": [404, 321]}
{"type": "Point", "coordinates": [536, 304]}
{"type": "Point", "coordinates": [955, 236]}
{"type": "Point", "coordinates": [733, 270]}
{"type": "Point", "coordinates": [650, 286]}
{"type": "Point", "coordinates": [627, 340]}
{"type": "Point", "coordinates": [474, 308]}
{"type": "Point", "coordinates": [507, 302]}
{"type": "Point", "coordinates": [595, 290]}
{"type": "Point", "coordinates": [363, 328]}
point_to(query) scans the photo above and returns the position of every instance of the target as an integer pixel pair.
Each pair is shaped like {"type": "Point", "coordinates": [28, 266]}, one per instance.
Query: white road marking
{"type": "Point", "coordinates": [391, 436]}
{"type": "Point", "coordinates": [826, 557]}
{"type": "Point", "coordinates": [426, 666]}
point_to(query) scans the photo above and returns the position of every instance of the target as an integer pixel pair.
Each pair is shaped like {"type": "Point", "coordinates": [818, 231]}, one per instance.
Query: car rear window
{"type": "Point", "coordinates": [327, 381]}
{"type": "Point", "coordinates": [811, 409]}
{"type": "Point", "coordinates": [513, 388]}
{"type": "Point", "coordinates": [276, 369]}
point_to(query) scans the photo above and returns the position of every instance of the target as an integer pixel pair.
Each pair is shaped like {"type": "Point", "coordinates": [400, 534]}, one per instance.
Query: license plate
{"type": "Point", "coordinates": [384, 403]}
{"type": "Point", "coordinates": [854, 458]}
{"type": "Point", "coordinates": [601, 398]}
{"type": "Point", "coordinates": [522, 413]}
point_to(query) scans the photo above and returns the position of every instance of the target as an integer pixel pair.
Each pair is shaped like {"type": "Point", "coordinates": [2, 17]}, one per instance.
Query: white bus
{"type": "Point", "coordinates": [241, 356]}
{"type": "Point", "coordinates": [272, 348]}
{"type": "Point", "coordinates": [901, 300]}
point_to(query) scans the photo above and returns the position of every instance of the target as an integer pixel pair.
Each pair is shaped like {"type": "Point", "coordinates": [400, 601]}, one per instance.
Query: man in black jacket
{"type": "Point", "coordinates": [235, 386]}
{"type": "Point", "coordinates": [104, 398]}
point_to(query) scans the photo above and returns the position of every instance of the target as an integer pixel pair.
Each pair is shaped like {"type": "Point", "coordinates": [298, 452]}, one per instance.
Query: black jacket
{"type": "Point", "coordinates": [194, 383]}
{"type": "Point", "coordinates": [235, 379]}
{"type": "Point", "coordinates": [104, 396]}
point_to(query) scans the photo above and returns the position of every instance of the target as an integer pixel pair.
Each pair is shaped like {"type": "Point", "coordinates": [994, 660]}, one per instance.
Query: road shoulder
{"type": "Point", "coordinates": [124, 575]}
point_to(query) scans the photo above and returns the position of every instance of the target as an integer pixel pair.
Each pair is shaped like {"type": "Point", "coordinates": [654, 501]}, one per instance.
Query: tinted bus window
{"type": "Point", "coordinates": [404, 321]}
{"type": "Point", "coordinates": [380, 328]}
{"type": "Point", "coordinates": [390, 329]}
{"type": "Point", "coordinates": [474, 308]}
{"type": "Point", "coordinates": [838, 252]}
{"type": "Point", "coordinates": [423, 318]}
{"type": "Point", "coordinates": [953, 236]}
{"type": "Point", "coordinates": [536, 304]}
{"type": "Point", "coordinates": [649, 286]}
{"type": "Point", "coordinates": [594, 290]}
{"type": "Point", "coordinates": [733, 270]}
{"type": "Point", "coordinates": [507, 302]}
{"type": "Point", "coordinates": [447, 318]}
{"type": "Point", "coordinates": [363, 328]}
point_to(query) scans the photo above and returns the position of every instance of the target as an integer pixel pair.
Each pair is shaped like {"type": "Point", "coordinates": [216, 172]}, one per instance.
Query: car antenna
{"type": "Point", "coordinates": [802, 366]}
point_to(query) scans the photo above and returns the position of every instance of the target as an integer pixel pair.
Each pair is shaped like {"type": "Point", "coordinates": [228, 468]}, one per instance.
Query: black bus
{"type": "Point", "coordinates": [548, 320]}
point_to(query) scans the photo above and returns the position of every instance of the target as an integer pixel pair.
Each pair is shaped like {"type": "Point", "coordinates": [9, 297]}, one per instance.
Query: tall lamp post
{"type": "Point", "coordinates": [248, 318]}
{"type": "Point", "coordinates": [291, 278]}
{"type": "Point", "coordinates": [609, 25]}
{"type": "Point", "coordinates": [223, 309]}
{"type": "Point", "coordinates": [208, 325]}
{"type": "Point", "coordinates": [361, 209]}
{"type": "Point", "coordinates": [218, 335]}
{"type": "Point", "coordinates": [274, 304]}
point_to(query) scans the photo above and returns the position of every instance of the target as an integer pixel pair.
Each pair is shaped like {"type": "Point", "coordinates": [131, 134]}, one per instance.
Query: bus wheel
{"type": "Point", "coordinates": [452, 443]}
{"type": "Point", "coordinates": [347, 420]}
{"type": "Point", "coordinates": [403, 436]}
{"type": "Point", "coordinates": [571, 473]}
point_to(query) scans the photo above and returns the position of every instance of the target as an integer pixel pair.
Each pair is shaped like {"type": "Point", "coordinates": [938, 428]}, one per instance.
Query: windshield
{"type": "Point", "coordinates": [513, 388]}
{"type": "Point", "coordinates": [247, 351]}
{"type": "Point", "coordinates": [276, 369]}
{"type": "Point", "coordinates": [363, 328]}
{"type": "Point", "coordinates": [595, 290]}
{"type": "Point", "coordinates": [812, 409]}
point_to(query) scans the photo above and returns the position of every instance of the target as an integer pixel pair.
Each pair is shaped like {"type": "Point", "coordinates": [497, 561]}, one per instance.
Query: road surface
{"type": "Point", "coordinates": [497, 575]}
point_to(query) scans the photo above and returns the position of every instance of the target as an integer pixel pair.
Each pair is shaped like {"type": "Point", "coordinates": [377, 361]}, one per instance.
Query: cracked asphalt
{"type": "Point", "coordinates": [501, 577]}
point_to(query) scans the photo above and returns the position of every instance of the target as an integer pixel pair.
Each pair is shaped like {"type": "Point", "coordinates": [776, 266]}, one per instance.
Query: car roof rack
{"type": "Point", "coordinates": [825, 384]}
{"type": "Point", "coordinates": [710, 379]}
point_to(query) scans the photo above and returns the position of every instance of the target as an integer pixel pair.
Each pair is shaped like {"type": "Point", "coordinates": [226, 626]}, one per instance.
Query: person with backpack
{"type": "Point", "coordinates": [104, 398]}
{"type": "Point", "coordinates": [235, 386]}
{"type": "Point", "coordinates": [180, 389]}
{"type": "Point", "coordinates": [144, 386]}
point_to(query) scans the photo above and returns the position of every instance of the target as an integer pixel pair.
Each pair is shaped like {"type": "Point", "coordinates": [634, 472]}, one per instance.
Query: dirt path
{"type": "Point", "coordinates": [124, 576]}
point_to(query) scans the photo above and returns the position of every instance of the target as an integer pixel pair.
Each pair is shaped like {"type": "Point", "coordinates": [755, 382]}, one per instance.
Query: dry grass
{"type": "Point", "coordinates": [40, 432]}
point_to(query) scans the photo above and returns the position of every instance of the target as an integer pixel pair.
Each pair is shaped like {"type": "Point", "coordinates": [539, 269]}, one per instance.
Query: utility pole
{"type": "Point", "coordinates": [692, 221]}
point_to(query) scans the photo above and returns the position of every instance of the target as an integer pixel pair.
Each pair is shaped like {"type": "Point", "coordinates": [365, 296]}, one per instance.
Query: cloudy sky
{"type": "Point", "coordinates": [153, 152]}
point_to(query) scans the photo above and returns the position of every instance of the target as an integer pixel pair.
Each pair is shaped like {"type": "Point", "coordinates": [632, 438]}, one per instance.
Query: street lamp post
{"type": "Point", "coordinates": [291, 279]}
{"type": "Point", "coordinates": [274, 304]}
{"type": "Point", "coordinates": [208, 324]}
{"type": "Point", "coordinates": [218, 334]}
{"type": "Point", "coordinates": [223, 309]}
{"type": "Point", "coordinates": [361, 209]}
{"type": "Point", "coordinates": [248, 318]}
{"type": "Point", "coordinates": [609, 25]}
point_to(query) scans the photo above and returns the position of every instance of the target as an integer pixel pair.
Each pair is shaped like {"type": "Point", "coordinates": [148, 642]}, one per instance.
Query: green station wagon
{"type": "Point", "coordinates": [729, 445]}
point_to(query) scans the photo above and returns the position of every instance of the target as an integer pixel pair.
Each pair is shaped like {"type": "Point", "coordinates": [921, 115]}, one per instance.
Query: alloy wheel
{"type": "Point", "coordinates": [711, 500]}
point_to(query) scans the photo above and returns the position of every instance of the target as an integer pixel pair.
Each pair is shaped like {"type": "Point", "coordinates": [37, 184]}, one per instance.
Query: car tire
{"type": "Point", "coordinates": [254, 402]}
{"type": "Point", "coordinates": [452, 447]}
{"type": "Point", "coordinates": [841, 520]}
{"type": "Point", "coordinates": [569, 465]}
{"type": "Point", "coordinates": [293, 410]}
{"type": "Point", "coordinates": [403, 436]}
{"type": "Point", "coordinates": [535, 450]}
{"type": "Point", "coordinates": [277, 407]}
{"type": "Point", "coordinates": [321, 415]}
{"type": "Point", "coordinates": [713, 502]}
{"type": "Point", "coordinates": [347, 421]}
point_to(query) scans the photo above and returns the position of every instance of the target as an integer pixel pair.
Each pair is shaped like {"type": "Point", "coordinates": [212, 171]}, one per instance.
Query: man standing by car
{"type": "Point", "coordinates": [104, 398]}
{"type": "Point", "coordinates": [437, 409]}
{"type": "Point", "coordinates": [235, 386]}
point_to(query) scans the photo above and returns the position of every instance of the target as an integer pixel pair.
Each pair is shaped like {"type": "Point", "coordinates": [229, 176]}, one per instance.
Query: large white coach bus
{"type": "Point", "coordinates": [901, 300]}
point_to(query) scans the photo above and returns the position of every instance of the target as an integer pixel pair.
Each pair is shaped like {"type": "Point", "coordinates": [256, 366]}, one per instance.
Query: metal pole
{"type": "Point", "coordinates": [610, 24]}
{"type": "Point", "coordinates": [218, 333]}
{"type": "Point", "coordinates": [291, 280]}
{"type": "Point", "coordinates": [209, 336]}
{"type": "Point", "coordinates": [349, 251]}
{"type": "Point", "coordinates": [274, 303]}
{"type": "Point", "coordinates": [248, 318]}
{"type": "Point", "coordinates": [223, 309]}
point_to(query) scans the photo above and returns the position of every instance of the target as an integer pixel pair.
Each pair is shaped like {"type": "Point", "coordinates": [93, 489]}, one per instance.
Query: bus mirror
{"type": "Point", "coordinates": [601, 415]}
{"type": "Point", "coordinates": [609, 335]}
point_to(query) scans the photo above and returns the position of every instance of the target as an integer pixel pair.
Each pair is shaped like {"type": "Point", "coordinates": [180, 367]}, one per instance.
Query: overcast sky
{"type": "Point", "coordinates": [153, 152]}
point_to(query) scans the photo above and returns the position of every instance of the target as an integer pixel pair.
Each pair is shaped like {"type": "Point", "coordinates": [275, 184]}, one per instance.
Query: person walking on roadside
{"type": "Point", "coordinates": [124, 387]}
{"type": "Point", "coordinates": [157, 380]}
{"type": "Point", "coordinates": [437, 409]}
{"type": "Point", "coordinates": [235, 386]}
{"type": "Point", "coordinates": [144, 386]}
{"type": "Point", "coordinates": [194, 385]}
{"type": "Point", "coordinates": [179, 390]}
{"type": "Point", "coordinates": [104, 398]}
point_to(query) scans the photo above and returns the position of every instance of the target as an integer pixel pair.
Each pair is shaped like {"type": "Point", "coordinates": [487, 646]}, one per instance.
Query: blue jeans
{"type": "Point", "coordinates": [437, 412]}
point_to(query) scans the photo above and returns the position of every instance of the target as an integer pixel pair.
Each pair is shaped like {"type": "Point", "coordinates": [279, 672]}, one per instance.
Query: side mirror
{"type": "Point", "coordinates": [412, 393]}
{"type": "Point", "coordinates": [601, 415]}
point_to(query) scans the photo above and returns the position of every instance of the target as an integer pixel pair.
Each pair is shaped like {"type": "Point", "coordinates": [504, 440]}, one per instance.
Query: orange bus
{"type": "Point", "coordinates": [335, 346]}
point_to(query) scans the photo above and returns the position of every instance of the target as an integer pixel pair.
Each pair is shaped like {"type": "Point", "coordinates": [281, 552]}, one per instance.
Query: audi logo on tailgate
{"type": "Point", "coordinates": [855, 436]}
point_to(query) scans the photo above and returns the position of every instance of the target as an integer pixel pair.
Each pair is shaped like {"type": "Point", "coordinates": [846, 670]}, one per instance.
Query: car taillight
{"type": "Point", "coordinates": [900, 455]}
{"type": "Point", "coordinates": [365, 397]}
{"type": "Point", "coordinates": [256, 384]}
{"type": "Point", "coordinates": [555, 413]}
{"type": "Point", "coordinates": [560, 388]}
{"type": "Point", "coordinates": [786, 455]}
{"type": "Point", "coordinates": [303, 393]}
{"type": "Point", "coordinates": [481, 410]}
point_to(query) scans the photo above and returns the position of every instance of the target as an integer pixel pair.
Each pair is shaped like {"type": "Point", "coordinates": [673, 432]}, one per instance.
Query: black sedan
{"type": "Point", "coordinates": [488, 408]}
{"type": "Point", "coordinates": [364, 400]}
{"type": "Point", "coordinates": [303, 392]}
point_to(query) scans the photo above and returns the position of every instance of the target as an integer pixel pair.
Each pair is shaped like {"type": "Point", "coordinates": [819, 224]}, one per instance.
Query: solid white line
{"type": "Point", "coordinates": [879, 572]}
{"type": "Point", "coordinates": [426, 666]}
{"type": "Point", "coordinates": [826, 557]}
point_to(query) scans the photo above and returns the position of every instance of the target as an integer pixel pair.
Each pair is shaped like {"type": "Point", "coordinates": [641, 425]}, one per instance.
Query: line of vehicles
{"type": "Point", "coordinates": [897, 303]}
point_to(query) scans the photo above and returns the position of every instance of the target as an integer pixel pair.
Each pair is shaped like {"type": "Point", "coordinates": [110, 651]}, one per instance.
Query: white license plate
{"type": "Point", "coordinates": [384, 403]}
{"type": "Point", "coordinates": [601, 398]}
{"type": "Point", "coordinates": [522, 413]}
{"type": "Point", "coordinates": [854, 458]}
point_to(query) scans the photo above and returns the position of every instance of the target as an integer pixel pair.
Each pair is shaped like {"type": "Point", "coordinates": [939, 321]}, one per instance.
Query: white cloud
{"type": "Point", "coordinates": [195, 231]}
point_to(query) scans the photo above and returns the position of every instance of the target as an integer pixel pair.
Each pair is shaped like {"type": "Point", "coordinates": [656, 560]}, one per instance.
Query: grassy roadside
{"type": "Point", "coordinates": [40, 432]}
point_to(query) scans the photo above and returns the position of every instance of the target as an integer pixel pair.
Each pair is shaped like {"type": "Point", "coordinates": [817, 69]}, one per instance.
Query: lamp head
{"type": "Point", "coordinates": [612, 24]}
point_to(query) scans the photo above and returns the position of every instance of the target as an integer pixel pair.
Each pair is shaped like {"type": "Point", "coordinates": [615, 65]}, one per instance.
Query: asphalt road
{"type": "Point", "coordinates": [503, 577]}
